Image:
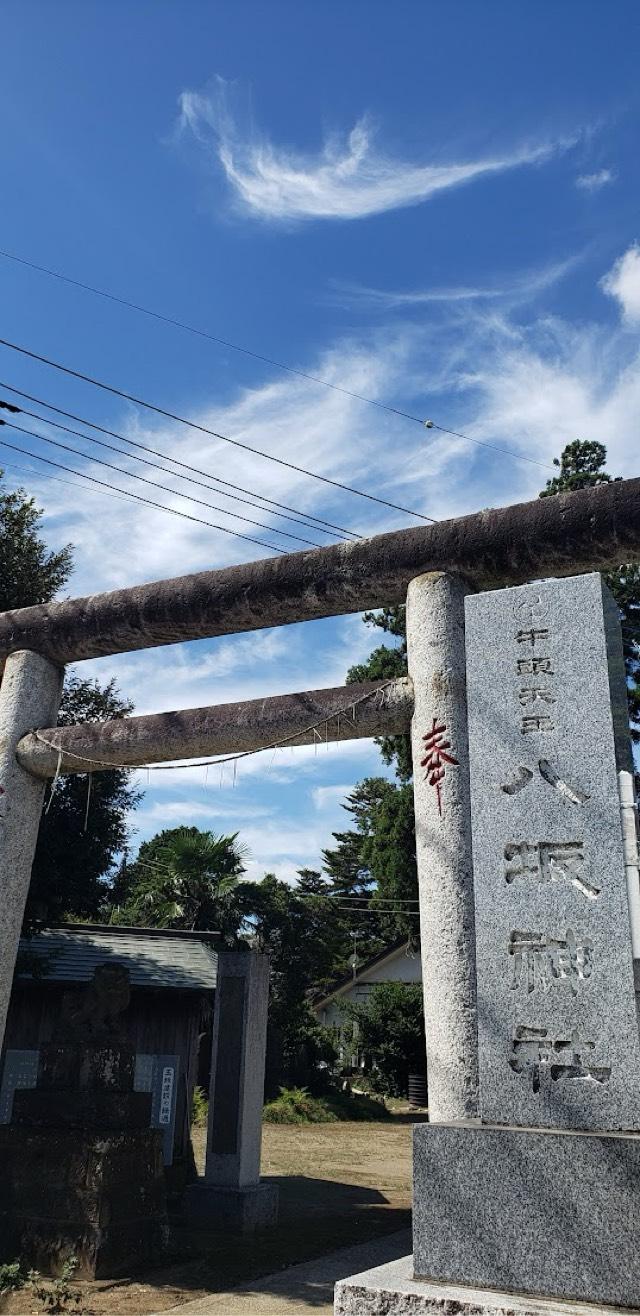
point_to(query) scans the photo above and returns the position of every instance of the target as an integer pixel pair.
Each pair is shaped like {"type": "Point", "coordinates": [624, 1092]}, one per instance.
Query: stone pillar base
{"type": "Point", "coordinates": [528, 1211]}
{"type": "Point", "coordinates": [232, 1210]}
{"type": "Point", "coordinates": [391, 1290]}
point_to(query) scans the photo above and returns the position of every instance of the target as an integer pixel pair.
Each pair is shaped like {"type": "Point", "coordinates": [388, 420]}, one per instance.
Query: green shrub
{"type": "Point", "coordinates": [297, 1106]}
{"type": "Point", "coordinates": [199, 1109]}
{"type": "Point", "coordinates": [10, 1276]}
{"type": "Point", "coordinates": [357, 1106]}
{"type": "Point", "coordinates": [56, 1295]}
{"type": "Point", "coordinates": [390, 1034]}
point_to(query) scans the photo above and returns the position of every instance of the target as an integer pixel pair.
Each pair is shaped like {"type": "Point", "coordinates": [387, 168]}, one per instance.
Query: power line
{"type": "Point", "coordinates": [385, 900]}
{"type": "Point", "coordinates": [308, 895]}
{"type": "Point", "coordinates": [271, 361]}
{"type": "Point", "coordinates": [381, 913]}
{"type": "Point", "coordinates": [70, 484]}
{"type": "Point", "coordinates": [202, 333]}
{"type": "Point", "coordinates": [155, 452]}
{"type": "Point", "coordinates": [204, 429]}
{"type": "Point", "coordinates": [160, 870]}
{"type": "Point", "coordinates": [138, 497]}
{"type": "Point", "coordinates": [44, 420]}
{"type": "Point", "coordinates": [395, 901]}
{"type": "Point", "coordinates": [132, 476]}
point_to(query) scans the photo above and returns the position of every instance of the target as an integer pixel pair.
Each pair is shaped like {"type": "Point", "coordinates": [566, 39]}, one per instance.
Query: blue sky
{"type": "Point", "coordinates": [434, 205]}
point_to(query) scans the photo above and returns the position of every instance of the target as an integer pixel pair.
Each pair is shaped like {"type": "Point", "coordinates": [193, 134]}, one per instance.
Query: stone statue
{"type": "Point", "coordinates": [95, 1012]}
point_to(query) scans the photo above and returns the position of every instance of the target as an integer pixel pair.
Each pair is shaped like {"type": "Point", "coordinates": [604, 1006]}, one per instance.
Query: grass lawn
{"type": "Point", "coordinates": [339, 1183]}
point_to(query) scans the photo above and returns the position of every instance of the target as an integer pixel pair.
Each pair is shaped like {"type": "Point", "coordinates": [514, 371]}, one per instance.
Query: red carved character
{"type": "Point", "coordinates": [436, 758]}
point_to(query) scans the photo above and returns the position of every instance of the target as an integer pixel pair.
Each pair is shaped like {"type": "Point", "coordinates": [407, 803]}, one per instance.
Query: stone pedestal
{"type": "Point", "coordinates": [82, 1173]}
{"type": "Point", "coordinates": [233, 1210]}
{"type": "Point", "coordinates": [391, 1290]}
{"type": "Point", "coordinates": [532, 1211]}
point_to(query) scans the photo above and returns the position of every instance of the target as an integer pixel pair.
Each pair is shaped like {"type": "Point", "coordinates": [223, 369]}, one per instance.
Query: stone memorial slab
{"type": "Point", "coordinates": [557, 1023]}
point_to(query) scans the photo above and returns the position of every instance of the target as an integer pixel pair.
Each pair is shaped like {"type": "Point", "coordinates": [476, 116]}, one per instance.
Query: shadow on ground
{"type": "Point", "coordinates": [341, 1185]}
{"type": "Point", "coordinates": [316, 1216]}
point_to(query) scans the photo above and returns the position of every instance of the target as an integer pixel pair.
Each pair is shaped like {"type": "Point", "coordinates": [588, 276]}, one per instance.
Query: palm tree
{"type": "Point", "coordinates": [191, 883]}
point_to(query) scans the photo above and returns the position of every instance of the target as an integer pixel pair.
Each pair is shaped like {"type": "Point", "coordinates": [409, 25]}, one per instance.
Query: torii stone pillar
{"type": "Point", "coordinates": [29, 698]}
{"type": "Point", "coordinates": [436, 657]}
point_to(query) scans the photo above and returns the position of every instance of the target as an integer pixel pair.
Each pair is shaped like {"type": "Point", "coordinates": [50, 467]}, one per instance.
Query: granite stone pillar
{"type": "Point", "coordinates": [29, 698]}
{"type": "Point", "coordinates": [436, 658]}
{"type": "Point", "coordinates": [541, 1196]}
{"type": "Point", "coordinates": [231, 1195]}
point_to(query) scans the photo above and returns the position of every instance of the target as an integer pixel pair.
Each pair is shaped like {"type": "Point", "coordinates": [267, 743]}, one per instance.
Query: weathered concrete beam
{"type": "Point", "coordinates": [561, 536]}
{"type": "Point", "coordinates": [350, 712]}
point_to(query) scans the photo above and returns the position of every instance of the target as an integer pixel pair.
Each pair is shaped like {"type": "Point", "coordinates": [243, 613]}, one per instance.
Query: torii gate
{"type": "Point", "coordinates": [429, 567]}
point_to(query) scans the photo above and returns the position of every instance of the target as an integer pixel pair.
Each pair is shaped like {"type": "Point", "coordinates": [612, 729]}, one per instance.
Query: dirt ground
{"type": "Point", "coordinates": [340, 1184]}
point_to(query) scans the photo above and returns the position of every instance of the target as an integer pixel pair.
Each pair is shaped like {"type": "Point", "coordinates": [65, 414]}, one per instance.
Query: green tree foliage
{"type": "Point", "coordinates": [300, 929]}
{"type": "Point", "coordinates": [71, 862]}
{"type": "Point", "coordinates": [84, 826]}
{"type": "Point", "coordinates": [582, 466]}
{"type": "Point", "coordinates": [377, 860]}
{"type": "Point", "coordinates": [386, 664]}
{"type": "Point", "coordinates": [29, 573]}
{"type": "Point", "coordinates": [390, 1026]}
{"type": "Point", "coordinates": [184, 878]}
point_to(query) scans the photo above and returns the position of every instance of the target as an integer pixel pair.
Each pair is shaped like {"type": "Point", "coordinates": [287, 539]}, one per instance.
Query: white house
{"type": "Point", "coordinates": [397, 963]}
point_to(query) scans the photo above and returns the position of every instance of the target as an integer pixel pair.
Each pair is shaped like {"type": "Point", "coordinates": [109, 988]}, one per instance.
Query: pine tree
{"type": "Point", "coordinates": [374, 865]}
{"type": "Point", "coordinates": [382, 665]}
{"type": "Point", "coordinates": [581, 467]}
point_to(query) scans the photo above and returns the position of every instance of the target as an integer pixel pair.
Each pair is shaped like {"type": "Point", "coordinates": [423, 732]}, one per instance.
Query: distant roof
{"type": "Point", "coordinates": [155, 959]}
{"type": "Point", "coordinates": [349, 979]}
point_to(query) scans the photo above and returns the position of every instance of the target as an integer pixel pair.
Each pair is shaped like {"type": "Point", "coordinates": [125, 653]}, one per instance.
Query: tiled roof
{"type": "Point", "coordinates": [154, 960]}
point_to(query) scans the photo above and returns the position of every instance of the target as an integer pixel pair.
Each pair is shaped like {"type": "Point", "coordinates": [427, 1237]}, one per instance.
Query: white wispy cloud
{"type": "Point", "coordinates": [349, 178]}
{"type": "Point", "coordinates": [518, 380]}
{"type": "Point", "coordinates": [594, 182]}
{"type": "Point", "coordinates": [623, 283]}
{"type": "Point", "coordinates": [515, 291]}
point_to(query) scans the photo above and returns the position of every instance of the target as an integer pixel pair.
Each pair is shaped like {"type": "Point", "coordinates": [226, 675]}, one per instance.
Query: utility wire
{"type": "Point", "coordinates": [267, 360]}
{"type": "Point", "coordinates": [24, 452]}
{"type": "Point", "coordinates": [67, 447]}
{"type": "Point", "coordinates": [215, 434]}
{"type": "Point", "coordinates": [70, 484]}
{"type": "Point", "coordinates": [160, 870]}
{"type": "Point", "coordinates": [202, 333]}
{"type": "Point", "coordinates": [311, 895]}
{"type": "Point", "coordinates": [325, 526]}
{"type": "Point", "coordinates": [307, 895]}
{"type": "Point", "coordinates": [44, 420]}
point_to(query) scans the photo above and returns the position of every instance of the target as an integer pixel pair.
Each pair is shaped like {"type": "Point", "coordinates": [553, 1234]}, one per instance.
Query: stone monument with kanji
{"type": "Point", "coordinates": [527, 1177]}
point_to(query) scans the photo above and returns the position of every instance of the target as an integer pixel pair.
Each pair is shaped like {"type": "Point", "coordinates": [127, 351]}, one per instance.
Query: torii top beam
{"type": "Point", "coordinates": [569, 533]}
